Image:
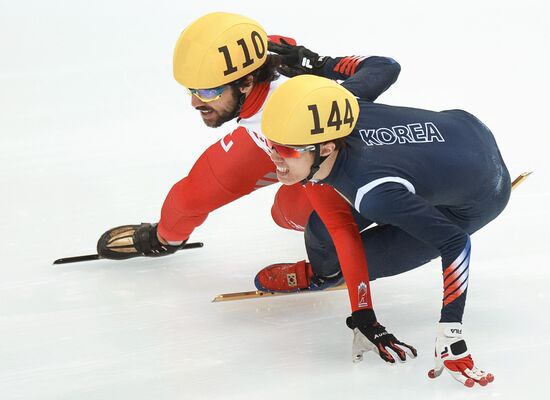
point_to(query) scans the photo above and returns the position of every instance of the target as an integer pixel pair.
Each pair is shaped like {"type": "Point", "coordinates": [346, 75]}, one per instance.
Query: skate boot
{"type": "Point", "coordinates": [286, 277]}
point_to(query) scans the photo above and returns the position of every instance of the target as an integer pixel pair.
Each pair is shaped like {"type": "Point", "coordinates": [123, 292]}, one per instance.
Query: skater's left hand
{"type": "Point", "coordinates": [369, 335]}
{"type": "Point", "coordinates": [452, 354]}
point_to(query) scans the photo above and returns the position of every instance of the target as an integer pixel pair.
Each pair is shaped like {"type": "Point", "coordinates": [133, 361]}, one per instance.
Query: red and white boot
{"type": "Point", "coordinates": [286, 277]}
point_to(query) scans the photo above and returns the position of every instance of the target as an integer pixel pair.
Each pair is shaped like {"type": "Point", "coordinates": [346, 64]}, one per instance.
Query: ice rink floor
{"type": "Point", "coordinates": [93, 133]}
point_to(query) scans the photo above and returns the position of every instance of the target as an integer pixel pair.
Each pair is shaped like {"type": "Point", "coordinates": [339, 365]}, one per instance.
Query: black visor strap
{"type": "Point", "coordinates": [317, 160]}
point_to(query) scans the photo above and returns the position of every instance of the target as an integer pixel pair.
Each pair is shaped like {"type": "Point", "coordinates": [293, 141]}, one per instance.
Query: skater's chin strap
{"type": "Point", "coordinates": [317, 160]}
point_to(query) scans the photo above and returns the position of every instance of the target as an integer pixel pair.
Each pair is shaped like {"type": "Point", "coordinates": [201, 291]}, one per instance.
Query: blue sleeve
{"type": "Point", "coordinates": [392, 203]}
{"type": "Point", "coordinates": [366, 78]}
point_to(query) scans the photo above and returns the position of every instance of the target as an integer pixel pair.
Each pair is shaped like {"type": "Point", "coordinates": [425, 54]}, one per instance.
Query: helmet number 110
{"type": "Point", "coordinates": [259, 49]}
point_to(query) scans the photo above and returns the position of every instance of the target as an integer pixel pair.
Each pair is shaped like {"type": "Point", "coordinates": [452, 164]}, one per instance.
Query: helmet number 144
{"type": "Point", "coordinates": [334, 118]}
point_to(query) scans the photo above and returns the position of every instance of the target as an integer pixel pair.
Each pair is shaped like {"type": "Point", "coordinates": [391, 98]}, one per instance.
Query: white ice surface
{"type": "Point", "coordinates": [94, 131]}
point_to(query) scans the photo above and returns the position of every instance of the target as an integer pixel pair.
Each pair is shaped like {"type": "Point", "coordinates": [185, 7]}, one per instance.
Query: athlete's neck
{"type": "Point", "coordinates": [255, 98]}
{"type": "Point", "coordinates": [326, 166]}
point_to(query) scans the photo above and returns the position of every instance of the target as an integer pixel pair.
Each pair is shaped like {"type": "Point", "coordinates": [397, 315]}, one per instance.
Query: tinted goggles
{"type": "Point", "coordinates": [208, 95]}
{"type": "Point", "coordinates": [290, 151]}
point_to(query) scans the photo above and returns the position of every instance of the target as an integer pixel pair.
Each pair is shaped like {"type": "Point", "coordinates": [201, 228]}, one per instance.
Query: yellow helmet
{"type": "Point", "coordinates": [217, 49]}
{"type": "Point", "coordinates": [309, 109]}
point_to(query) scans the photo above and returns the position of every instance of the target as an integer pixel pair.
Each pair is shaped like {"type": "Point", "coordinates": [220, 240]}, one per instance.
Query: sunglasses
{"type": "Point", "coordinates": [290, 151]}
{"type": "Point", "coordinates": [208, 95]}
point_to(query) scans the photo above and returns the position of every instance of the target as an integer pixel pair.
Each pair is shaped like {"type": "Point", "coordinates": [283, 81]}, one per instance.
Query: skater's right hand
{"type": "Point", "coordinates": [297, 60]}
{"type": "Point", "coordinates": [369, 335]}
{"type": "Point", "coordinates": [130, 241]}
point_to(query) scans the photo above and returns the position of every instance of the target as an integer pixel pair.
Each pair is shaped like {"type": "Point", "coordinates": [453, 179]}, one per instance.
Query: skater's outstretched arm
{"type": "Point", "coordinates": [366, 77]}
{"type": "Point", "coordinates": [335, 212]}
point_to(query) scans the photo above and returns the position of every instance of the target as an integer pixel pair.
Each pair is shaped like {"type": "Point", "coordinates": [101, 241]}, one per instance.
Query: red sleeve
{"type": "Point", "coordinates": [226, 171]}
{"type": "Point", "coordinates": [335, 212]}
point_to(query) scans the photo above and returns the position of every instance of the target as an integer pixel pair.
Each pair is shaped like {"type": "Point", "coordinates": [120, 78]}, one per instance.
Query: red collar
{"type": "Point", "coordinates": [255, 100]}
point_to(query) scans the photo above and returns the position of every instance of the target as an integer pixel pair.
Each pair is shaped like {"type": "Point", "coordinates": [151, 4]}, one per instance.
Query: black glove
{"type": "Point", "coordinates": [297, 60]}
{"type": "Point", "coordinates": [130, 241]}
{"type": "Point", "coordinates": [368, 335]}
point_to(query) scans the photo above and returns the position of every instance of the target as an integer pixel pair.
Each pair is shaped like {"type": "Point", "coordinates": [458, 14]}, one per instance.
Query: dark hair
{"type": "Point", "coordinates": [266, 73]}
{"type": "Point", "coordinates": [339, 143]}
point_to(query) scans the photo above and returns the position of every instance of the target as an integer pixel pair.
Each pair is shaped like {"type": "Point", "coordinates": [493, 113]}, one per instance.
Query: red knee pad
{"type": "Point", "coordinates": [291, 207]}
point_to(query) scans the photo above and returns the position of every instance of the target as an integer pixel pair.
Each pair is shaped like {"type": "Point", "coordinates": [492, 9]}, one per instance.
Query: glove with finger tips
{"type": "Point", "coordinates": [129, 241]}
{"type": "Point", "coordinates": [297, 60]}
{"type": "Point", "coordinates": [451, 353]}
{"type": "Point", "coordinates": [369, 335]}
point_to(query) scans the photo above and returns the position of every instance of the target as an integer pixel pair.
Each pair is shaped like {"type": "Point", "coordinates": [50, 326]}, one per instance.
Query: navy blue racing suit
{"type": "Point", "coordinates": [428, 180]}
